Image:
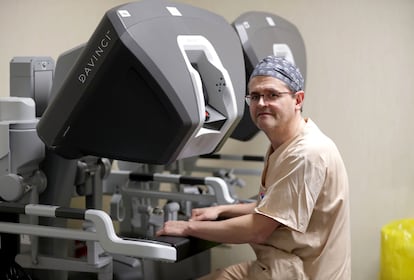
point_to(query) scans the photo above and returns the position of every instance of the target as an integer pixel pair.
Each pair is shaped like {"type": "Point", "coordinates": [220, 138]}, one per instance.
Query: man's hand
{"type": "Point", "coordinates": [205, 214]}
{"type": "Point", "coordinates": [174, 228]}
{"type": "Point", "coordinates": [181, 228]}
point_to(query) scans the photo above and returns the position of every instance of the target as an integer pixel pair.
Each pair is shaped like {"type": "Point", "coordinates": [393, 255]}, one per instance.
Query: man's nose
{"type": "Point", "coordinates": [262, 101]}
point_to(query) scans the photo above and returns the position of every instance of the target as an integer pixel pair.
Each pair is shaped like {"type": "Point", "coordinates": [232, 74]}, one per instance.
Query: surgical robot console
{"type": "Point", "coordinates": [157, 82]}
{"type": "Point", "coordinates": [157, 86]}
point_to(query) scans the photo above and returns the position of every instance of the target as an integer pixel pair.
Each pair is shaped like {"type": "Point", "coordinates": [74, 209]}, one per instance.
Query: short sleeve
{"type": "Point", "coordinates": [291, 188]}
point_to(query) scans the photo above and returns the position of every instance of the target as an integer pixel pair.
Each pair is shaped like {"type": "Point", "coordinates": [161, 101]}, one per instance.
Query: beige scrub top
{"type": "Point", "coordinates": [305, 188]}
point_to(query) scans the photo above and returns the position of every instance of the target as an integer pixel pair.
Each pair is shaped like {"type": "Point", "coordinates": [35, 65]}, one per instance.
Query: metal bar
{"type": "Point", "coordinates": [47, 231]}
{"type": "Point", "coordinates": [171, 195]}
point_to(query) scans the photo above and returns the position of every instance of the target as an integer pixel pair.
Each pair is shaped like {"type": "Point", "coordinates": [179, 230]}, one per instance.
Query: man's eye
{"type": "Point", "coordinates": [255, 97]}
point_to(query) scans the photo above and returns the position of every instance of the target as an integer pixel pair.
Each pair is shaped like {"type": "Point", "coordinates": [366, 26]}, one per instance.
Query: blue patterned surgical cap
{"type": "Point", "coordinates": [281, 69]}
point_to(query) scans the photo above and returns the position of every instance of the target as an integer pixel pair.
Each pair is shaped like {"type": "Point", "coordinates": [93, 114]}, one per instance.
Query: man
{"type": "Point", "coordinates": [299, 228]}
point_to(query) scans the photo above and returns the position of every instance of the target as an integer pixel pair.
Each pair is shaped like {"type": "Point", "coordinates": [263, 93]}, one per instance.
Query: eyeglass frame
{"type": "Point", "coordinates": [266, 97]}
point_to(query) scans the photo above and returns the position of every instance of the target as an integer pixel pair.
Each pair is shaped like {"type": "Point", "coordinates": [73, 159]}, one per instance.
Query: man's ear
{"type": "Point", "coordinates": [300, 96]}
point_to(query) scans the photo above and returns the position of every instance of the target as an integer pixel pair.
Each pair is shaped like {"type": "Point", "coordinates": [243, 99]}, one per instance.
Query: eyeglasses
{"type": "Point", "coordinates": [254, 98]}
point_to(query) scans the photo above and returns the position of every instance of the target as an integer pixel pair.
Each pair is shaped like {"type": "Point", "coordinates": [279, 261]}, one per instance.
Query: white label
{"type": "Point", "coordinates": [124, 13]}
{"type": "Point", "coordinates": [174, 11]}
{"type": "Point", "coordinates": [270, 21]}
{"type": "Point", "coordinates": [25, 239]}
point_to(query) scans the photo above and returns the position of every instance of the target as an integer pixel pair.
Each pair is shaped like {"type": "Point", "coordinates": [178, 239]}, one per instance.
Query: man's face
{"type": "Point", "coordinates": [273, 105]}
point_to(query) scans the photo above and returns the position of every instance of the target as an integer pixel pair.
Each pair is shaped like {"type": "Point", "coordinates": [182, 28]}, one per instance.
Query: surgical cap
{"type": "Point", "coordinates": [281, 69]}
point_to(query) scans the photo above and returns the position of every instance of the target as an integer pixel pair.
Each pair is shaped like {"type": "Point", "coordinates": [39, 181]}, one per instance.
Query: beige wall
{"type": "Point", "coordinates": [359, 90]}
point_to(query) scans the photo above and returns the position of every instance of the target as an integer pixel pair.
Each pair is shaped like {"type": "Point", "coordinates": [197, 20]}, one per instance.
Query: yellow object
{"type": "Point", "coordinates": [397, 250]}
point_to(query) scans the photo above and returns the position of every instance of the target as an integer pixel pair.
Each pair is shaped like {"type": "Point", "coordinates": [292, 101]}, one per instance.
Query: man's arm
{"type": "Point", "coordinates": [222, 211]}
{"type": "Point", "coordinates": [250, 228]}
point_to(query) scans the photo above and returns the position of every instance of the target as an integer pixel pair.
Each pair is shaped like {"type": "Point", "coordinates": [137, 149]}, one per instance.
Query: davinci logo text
{"type": "Point", "coordinates": [96, 55]}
